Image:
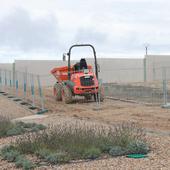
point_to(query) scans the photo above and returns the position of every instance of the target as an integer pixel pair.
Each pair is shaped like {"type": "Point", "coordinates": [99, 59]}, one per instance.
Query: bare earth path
{"type": "Point", "coordinates": [151, 117]}
{"type": "Point", "coordinates": [154, 118]}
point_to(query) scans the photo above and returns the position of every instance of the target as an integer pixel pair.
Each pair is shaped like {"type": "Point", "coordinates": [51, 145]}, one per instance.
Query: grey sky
{"type": "Point", "coordinates": [44, 29]}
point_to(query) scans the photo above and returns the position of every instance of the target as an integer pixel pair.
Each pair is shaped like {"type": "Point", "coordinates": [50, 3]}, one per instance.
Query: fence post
{"type": "Point", "coordinates": [5, 78]}
{"type": "Point", "coordinates": [164, 86]}
{"type": "Point", "coordinates": [13, 74]}
{"type": "Point", "coordinates": [40, 94]}
{"type": "Point", "coordinates": [10, 82]}
{"type": "Point", "coordinates": [144, 67]}
{"type": "Point", "coordinates": [16, 83]}
{"type": "Point", "coordinates": [0, 80]}
{"type": "Point", "coordinates": [10, 79]}
{"type": "Point", "coordinates": [165, 92]}
{"type": "Point", "coordinates": [32, 89]}
{"type": "Point", "coordinates": [25, 84]}
{"type": "Point", "coordinates": [97, 96]}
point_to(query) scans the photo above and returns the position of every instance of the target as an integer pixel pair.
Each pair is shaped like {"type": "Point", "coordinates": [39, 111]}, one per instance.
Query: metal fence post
{"type": "Point", "coordinates": [10, 82]}
{"type": "Point", "coordinates": [165, 92]}
{"type": "Point", "coordinates": [13, 75]}
{"type": "Point", "coordinates": [40, 93]}
{"type": "Point", "coordinates": [32, 89]}
{"type": "Point", "coordinates": [144, 69]}
{"type": "Point", "coordinates": [25, 84]}
{"type": "Point", "coordinates": [5, 78]}
{"type": "Point", "coordinates": [16, 83]}
{"type": "Point", "coordinates": [0, 80]}
{"type": "Point", "coordinates": [10, 79]}
{"type": "Point", "coordinates": [164, 86]}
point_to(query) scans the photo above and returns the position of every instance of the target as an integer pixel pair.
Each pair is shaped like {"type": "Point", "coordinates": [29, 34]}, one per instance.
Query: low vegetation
{"type": "Point", "coordinates": [9, 128]}
{"type": "Point", "coordinates": [75, 141]}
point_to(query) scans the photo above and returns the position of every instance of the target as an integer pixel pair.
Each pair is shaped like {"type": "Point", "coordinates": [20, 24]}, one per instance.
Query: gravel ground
{"type": "Point", "coordinates": [154, 118]}
{"type": "Point", "coordinates": [158, 159]}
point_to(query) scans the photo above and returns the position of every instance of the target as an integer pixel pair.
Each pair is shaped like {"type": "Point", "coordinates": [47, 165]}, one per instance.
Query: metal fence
{"type": "Point", "coordinates": [22, 87]}
{"type": "Point", "coordinates": [155, 91]}
{"type": "Point", "coordinates": [37, 90]}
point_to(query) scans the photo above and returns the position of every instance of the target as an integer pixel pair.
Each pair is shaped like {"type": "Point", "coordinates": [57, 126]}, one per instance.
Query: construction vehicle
{"type": "Point", "coordinates": [78, 79]}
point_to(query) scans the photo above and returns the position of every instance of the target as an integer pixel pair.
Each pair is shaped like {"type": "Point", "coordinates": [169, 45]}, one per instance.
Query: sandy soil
{"type": "Point", "coordinates": [154, 119]}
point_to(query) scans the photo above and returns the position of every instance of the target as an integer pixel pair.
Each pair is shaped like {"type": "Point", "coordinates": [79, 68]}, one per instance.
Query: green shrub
{"type": "Point", "coordinates": [24, 163]}
{"type": "Point", "coordinates": [92, 153]}
{"type": "Point", "coordinates": [11, 155]}
{"type": "Point", "coordinates": [40, 127]}
{"type": "Point", "coordinates": [138, 147]}
{"type": "Point", "coordinates": [8, 128]}
{"type": "Point", "coordinates": [27, 165]}
{"type": "Point", "coordinates": [27, 125]}
{"type": "Point", "coordinates": [105, 146]}
{"type": "Point", "coordinates": [117, 151]}
{"type": "Point", "coordinates": [87, 141]}
{"type": "Point", "coordinates": [55, 158]}
{"type": "Point", "coordinates": [7, 148]}
{"type": "Point", "coordinates": [125, 133]}
{"type": "Point", "coordinates": [32, 127]}
{"type": "Point", "coordinates": [43, 153]}
{"type": "Point", "coordinates": [19, 161]}
{"type": "Point", "coordinates": [15, 131]}
{"type": "Point", "coordinates": [63, 157]}
{"type": "Point", "coordinates": [52, 158]}
{"type": "Point", "coordinates": [5, 125]}
{"type": "Point", "coordinates": [27, 144]}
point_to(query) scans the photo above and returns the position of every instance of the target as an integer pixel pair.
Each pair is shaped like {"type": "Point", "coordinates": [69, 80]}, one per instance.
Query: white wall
{"type": "Point", "coordinates": [112, 70]}
{"type": "Point", "coordinates": [6, 66]}
{"type": "Point", "coordinates": [155, 65]}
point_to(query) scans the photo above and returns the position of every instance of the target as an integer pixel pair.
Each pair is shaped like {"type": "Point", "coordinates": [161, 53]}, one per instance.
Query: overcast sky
{"type": "Point", "coordinates": [44, 29]}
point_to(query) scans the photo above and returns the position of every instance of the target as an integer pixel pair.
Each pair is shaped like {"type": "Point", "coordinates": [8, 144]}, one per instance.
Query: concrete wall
{"type": "Point", "coordinates": [6, 66]}
{"type": "Point", "coordinates": [112, 70]}
{"type": "Point", "coordinates": [155, 65]}
{"type": "Point", "coordinates": [121, 70]}
{"type": "Point", "coordinates": [5, 73]}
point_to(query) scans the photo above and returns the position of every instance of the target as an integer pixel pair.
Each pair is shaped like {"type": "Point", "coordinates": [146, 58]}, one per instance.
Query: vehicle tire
{"type": "Point", "coordinates": [66, 94]}
{"type": "Point", "coordinates": [88, 97]}
{"type": "Point", "coordinates": [57, 91]}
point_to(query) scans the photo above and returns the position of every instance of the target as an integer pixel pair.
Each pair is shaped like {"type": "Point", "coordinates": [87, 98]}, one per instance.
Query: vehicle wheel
{"type": "Point", "coordinates": [88, 97]}
{"type": "Point", "coordinates": [57, 91]}
{"type": "Point", "coordinates": [66, 94]}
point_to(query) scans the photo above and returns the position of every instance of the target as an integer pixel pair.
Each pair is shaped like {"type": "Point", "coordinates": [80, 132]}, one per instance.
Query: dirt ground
{"type": "Point", "coordinates": [111, 111]}
{"type": "Point", "coordinates": [155, 120]}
